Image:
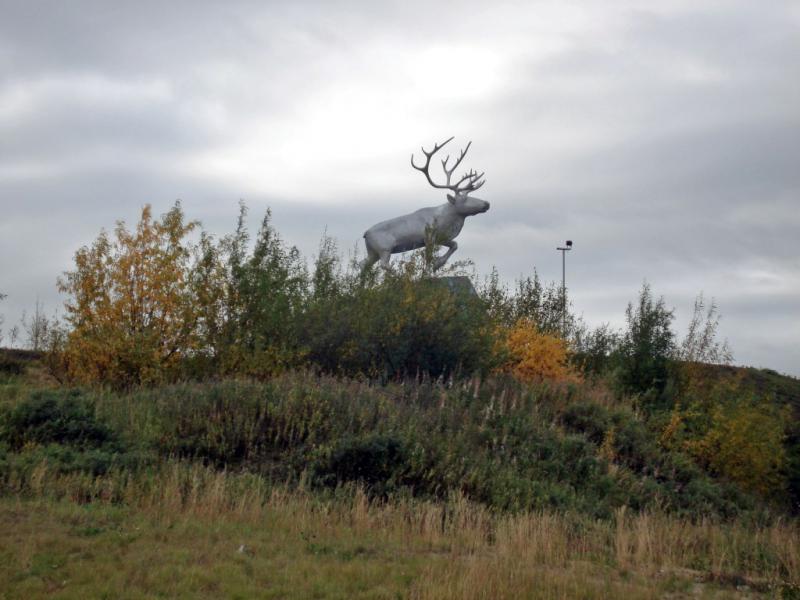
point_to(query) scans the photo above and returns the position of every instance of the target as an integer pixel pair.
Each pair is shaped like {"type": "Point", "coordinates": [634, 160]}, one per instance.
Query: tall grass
{"type": "Point", "coordinates": [484, 554]}
{"type": "Point", "coordinates": [507, 446]}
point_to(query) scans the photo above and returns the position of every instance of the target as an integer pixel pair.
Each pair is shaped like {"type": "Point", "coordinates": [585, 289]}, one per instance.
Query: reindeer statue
{"type": "Point", "coordinates": [438, 225]}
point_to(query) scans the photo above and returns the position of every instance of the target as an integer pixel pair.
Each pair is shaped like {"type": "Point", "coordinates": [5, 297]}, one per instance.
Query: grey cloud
{"type": "Point", "coordinates": [70, 127]}
{"type": "Point", "coordinates": [664, 141]}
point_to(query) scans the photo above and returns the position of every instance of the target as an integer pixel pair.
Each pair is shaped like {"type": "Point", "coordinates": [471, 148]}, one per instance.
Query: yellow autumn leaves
{"type": "Point", "coordinates": [533, 356]}
{"type": "Point", "coordinates": [730, 431]}
{"type": "Point", "coordinates": [130, 305]}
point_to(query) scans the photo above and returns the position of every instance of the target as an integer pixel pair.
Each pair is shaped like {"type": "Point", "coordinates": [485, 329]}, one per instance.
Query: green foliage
{"type": "Point", "coordinates": [156, 306]}
{"type": "Point", "coordinates": [270, 288]}
{"type": "Point", "coordinates": [594, 350]}
{"type": "Point", "coordinates": [60, 459]}
{"type": "Point", "coordinates": [670, 476]}
{"type": "Point", "coordinates": [592, 420]}
{"type": "Point", "coordinates": [647, 345]}
{"type": "Point", "coordinates": [59, 430]}
{"type": "Point", "coordinates": [507, 446]}
{"type": "Point", "coordinates": [376, 461]}
{"type": "Point", "coordinates": [783, 392]}
{"type": "Point", "coordinates": [746, 445]}
{"type": "Point", "coordinates": [532, 301]}
{"type": "Point", "coordinates": [700, 344]}
{"type": "Point", "coordinates": [54, 418]}
{"type": "Point", "coordinates": [9, 365]}
{"type": "Point", "coordinates": [735, 435]}
{"type": "Point", "coordinates": [404, 323]}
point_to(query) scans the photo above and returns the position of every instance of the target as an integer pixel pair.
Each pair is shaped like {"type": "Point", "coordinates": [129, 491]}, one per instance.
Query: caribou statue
{"type": "Point", "coordinates": [438, 225]}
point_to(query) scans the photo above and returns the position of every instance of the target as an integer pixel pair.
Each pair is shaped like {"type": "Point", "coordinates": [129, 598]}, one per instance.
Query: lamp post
{"type": "Point", "coordinates": [566, 248]}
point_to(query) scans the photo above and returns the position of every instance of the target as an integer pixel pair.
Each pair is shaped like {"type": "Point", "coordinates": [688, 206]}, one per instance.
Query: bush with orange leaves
{"type": "Point", "coordinates": [532, 356]}
{"type": "Point", "coordinates": [131, 307]}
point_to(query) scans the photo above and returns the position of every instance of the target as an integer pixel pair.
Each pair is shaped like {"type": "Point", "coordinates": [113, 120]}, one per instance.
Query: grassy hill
{"type": "Point", "coordinates": [783, 388]}
{"type": "Point", "coordinates": [306, 485]}
{"type": "Point", "coordinates": [767, 383]}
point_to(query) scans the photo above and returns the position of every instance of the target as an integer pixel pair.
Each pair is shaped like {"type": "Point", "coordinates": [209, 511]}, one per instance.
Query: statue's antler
{"type": "Point", "coordinates": [472, 180]}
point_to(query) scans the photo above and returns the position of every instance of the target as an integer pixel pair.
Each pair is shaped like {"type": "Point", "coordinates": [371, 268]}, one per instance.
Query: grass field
{"type": "Point", "coordinates": [194, 532]}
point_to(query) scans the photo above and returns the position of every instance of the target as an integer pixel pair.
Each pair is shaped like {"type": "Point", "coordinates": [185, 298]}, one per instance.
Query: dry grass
{"type": "Point", "coordinates": [194, 532]}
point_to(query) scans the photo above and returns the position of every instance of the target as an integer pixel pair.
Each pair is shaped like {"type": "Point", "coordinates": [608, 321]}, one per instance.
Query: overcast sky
{"type": "Point", "coordinates": [663, 138]}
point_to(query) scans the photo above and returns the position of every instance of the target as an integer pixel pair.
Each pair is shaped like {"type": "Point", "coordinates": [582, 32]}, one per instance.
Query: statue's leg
{"type": "Point", "coordinates": [385, 256]}
{"type": "Point", "coordinates": [371, 259]}
{"type": "Point", "coordinates": [452, 247]}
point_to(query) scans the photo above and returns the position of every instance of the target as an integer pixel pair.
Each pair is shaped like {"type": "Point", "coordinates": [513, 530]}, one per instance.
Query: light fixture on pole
{"type": "Point", "coordinates": [567, 247]}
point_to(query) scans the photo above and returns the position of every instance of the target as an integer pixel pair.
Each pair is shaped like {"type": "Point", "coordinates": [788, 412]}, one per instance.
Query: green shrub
{"type": "Point", "coordinates": [377, 461]}
{"type": "Point", "coordinates": [508, 446]}
{"type": "Point", "coordinates": [61, 432]}
{"type": "Point", "coordinates": [48, 417]}
{"type": "Point", "coordinates": [10, 366]}
{"type": "Point", "coordinates": [405, 325]}
{"type": "Point", "coordinates": [643, 356]}
{"type": "Point", "coordinates": [592, 420]}
{"type": "Point", "coordinates": [65, 459]}
{"type": "Point", "coordinates": [633, 445]}
{"type": "Point", "coordinates": [652, 475]}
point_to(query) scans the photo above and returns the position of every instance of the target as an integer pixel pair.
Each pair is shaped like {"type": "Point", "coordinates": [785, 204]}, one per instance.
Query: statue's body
{"type": "Point", "coordinates": [438, 225]}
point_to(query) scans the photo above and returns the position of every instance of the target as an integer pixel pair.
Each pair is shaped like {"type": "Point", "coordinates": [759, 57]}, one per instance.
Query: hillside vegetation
{"type": "Point", "coordinates": [213, 418]}
{"type": "Point", "coordinates": [347, 489]}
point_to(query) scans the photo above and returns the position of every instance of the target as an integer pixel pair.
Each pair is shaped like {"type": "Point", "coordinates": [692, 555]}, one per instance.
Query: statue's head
{"type": "Point", "coordinates": [467, 205]}
{"type": "Point", "coordinates": [471, 181]}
